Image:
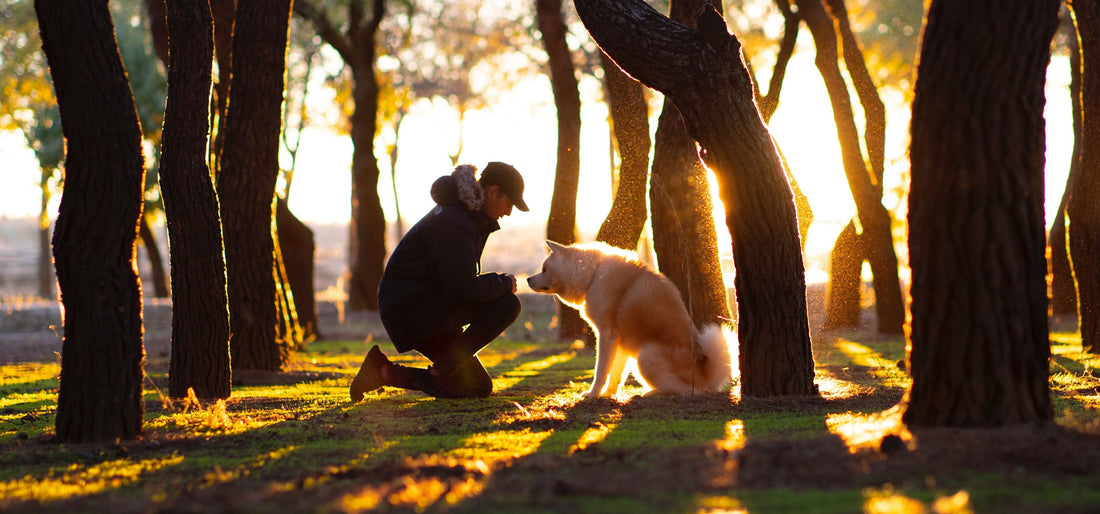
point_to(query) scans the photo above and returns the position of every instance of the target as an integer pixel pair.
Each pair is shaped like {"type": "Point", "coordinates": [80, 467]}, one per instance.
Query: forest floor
{"type": "Point", "coordinates": [293, 442]}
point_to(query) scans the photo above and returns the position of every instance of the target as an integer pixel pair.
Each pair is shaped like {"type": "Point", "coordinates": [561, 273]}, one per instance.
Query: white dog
{"type": "Point", "coordinates": [636, 313]}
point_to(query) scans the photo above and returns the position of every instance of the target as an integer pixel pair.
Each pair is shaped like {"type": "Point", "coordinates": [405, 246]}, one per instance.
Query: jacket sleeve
{"type": "Point", "coordinates": [454, 253]}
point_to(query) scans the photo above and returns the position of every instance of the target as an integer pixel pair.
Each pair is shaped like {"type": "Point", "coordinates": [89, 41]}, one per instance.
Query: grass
{"type": "Point", "coordinates": [295, 443]}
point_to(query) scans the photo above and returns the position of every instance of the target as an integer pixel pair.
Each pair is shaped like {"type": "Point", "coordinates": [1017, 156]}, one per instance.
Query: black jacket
{"type": "Point", "coordinates": [437, 265]}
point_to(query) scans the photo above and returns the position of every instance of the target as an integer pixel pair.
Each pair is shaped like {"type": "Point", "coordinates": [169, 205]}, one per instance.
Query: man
{"type": "Point", "coordinates": [433, 287]}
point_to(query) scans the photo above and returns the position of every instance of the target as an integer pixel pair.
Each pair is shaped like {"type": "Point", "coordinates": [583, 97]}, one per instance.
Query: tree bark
{"type": "Point", "coordinates": [102, 362]}
{"type": "Point", "coordinates": [630, 124]}
{"type": "Point", "coordinates": [299, 249]}
{"type": "Point", "coordinates": [866, 185]}
{"type": "Point", "coordinates": [200, 306]}
{"type": "Point", "coordinates": [562, 225]}
{"type": "Point", "coordinates": [1083, 207]}
{"type": "Point", "coordinates": [979, 346]}
{"type": "Point", "coordinates": [843, 309]}
{"type": "Point", "coordinates": [156, 264]}
{"type": "Point", "coordinates": [684, 235]}
{"type": "Point", "coordinates": [246, 181]}
{"type": "Point", "coordinates": [703, 74]}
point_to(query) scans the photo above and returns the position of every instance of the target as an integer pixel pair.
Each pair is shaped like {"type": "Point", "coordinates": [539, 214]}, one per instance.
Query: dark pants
{"type": "Point", "coordinates": [456, 371]}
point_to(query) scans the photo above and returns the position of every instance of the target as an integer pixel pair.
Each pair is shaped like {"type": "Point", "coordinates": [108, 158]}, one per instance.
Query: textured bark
{"type": "Point", "coordinates": [200, 310]}
{"type": "Point", "coordinates": [703, 74]}
{"type": "Point", "coordinates": [843, 309]}
{"type": "Point", "coordinates": [102, 360]}
{"type": "Point", "coordinates": [630, 124]}
{"type": "Point", "coordinates": [246, 181]}
{"type": "Point", "coordinates": [684, 236]}
{"type": "Point", "coordinates": [769, 102]}
{"type": "Point", "coordinates": [865, 184]}
{"type": "Point", "coordinates": [562, 225]}
{"type": "Point", "coordinates": [1083, 207]}
{"type": "Point", "coordinates": [979, 346]}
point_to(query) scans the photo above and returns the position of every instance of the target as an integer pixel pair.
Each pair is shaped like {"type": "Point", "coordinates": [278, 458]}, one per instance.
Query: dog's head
{"type": "Point", "coordinates": [551, 280]}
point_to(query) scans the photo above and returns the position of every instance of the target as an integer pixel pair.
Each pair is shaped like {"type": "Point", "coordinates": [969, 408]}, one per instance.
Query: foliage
{"type": "Point", "coordinates": [293, 442]}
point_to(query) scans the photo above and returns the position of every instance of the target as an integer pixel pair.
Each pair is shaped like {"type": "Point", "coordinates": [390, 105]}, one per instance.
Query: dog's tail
{"type": "Point", "coordinates": [719, 360]}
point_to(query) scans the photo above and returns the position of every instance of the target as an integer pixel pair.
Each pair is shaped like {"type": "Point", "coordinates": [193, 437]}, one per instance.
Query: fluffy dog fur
{"type": "Point", "coordinates": [637, 313]}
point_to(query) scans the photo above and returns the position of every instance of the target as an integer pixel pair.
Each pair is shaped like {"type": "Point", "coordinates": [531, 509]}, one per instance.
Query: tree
{"type": "Point", "coordinates": [102, 363]}
{"type": "Point", "coordinates": [703, 74]}
{"type": "Point", "coordinates": [979, 349]}
{"type": "Point", "coordinates": [562, 225]}
{"type": "Point", "coordinates": [200, 311]}
{"type": "Point", "coordinates": [357, 47]}
{"type": "Point", "coordinates": [1083, 207]}
{"type": "Point", "coordinates": [246, 182]}
{"type": "Point", "coordinates": [684, 235]}
{"type": "Point", "coordinates": [629, 115]}
{"type": "Point", "coordinates": [872, 237]}
{"type": "Point", "coordinates": [1063, 289]}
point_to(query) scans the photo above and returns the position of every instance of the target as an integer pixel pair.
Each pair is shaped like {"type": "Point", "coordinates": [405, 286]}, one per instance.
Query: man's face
{"type": "Point", "coordinates": [497, 204]}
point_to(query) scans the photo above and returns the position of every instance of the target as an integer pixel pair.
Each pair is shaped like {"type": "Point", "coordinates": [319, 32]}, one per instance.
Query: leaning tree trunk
{"type": "Point", "coordinates": [200, 310]}
{"type": "Point", "coordinates": [630, 123]}
{"type": "Point", "coordinates": [156, 264]}
{"type": "Point", "coordinates": [299, 249]}
{"type": "Point", "coordinates": [102, 359]}
{"type": "Point", "coordinates": [876, 239]}
{"type": "Point", "coordinates": [1083, 208]}
{"type": "Point", "coordinates": [246, 181]}
{"type": "Point", "coordinates": [978, 347]}
{"type": "Point", "coordinates": [562, 225]}
{"type": "Point", "coordinates": [702, 72]}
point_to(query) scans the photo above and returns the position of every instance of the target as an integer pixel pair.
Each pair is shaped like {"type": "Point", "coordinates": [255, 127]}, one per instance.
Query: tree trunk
{"type": "Point", "coordinates": [45, 261]}
{"type": "Point", "coordinates": [684, 235]}
{"type": "Point", "coordinates": [1083, 208]}
{"type": "Point", "coordinates": [224, 12]}
{"type": "Point", "coordinates": [298, 249]}
{"type": "Point", "coordinates": [562, 225]}
{"type": "Point", "coordinates": [246, 181]}
{"type": "Point", "coordinates": [156, 264]}
{"type": "Point", "coordinates": [703, 74]}
{"type": "Point", "coordinates": [368, 219]}
{"type": "Point", "coordinates": [843, 309]}
{"type": "Point", "coordinates": [200, 310]}
{"type": "Point", "coordinates": [866, 185]}
{"type": "Point", "coordinates": [630, 123]}
{"type": "Point", "coordinates": [102, 362]}
{"type": "Point", "coordinates": [979, 346]}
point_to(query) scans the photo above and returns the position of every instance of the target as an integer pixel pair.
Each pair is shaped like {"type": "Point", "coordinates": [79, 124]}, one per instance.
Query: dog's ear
{"type": "Point", "coordinates": [554, 247]}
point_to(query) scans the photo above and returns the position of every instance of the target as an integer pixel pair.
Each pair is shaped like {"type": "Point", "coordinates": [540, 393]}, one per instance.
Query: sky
{"type": "Point", "coordinates": [520, 128]}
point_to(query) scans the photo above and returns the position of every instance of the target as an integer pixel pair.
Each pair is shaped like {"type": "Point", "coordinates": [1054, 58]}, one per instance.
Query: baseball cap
{"type": "Point", "coordinates": [507, 179]}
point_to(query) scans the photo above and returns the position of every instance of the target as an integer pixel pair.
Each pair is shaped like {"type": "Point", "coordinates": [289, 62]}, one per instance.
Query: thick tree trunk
{"type": "Point", "coordinates": [866, 185]}
{"type": "Point", "coordinates": [1083, 207]}
{"type": "Point", "coordinates": [703, 74]}
{"type": "Point", "coordinates": [368, 219]}
{"type": "Point", "coordinates": [630, 123]}
{"type": "Point", "coordinates": [102, 362]}
{"type": "Point", "coordinates": [562, 225]}
{"type": "Point", "coordinates": [200, 310]}
{"type": "Point", "coordinates": [684, 235]}
{"type": "Point", "coordinates": [979, 346]}
{"type": "Point", "coordinates": [246, 181]}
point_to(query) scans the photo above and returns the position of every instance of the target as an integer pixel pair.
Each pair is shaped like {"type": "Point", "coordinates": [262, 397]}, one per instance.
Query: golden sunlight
{"type": "Point", "coordinates": [866, 431]}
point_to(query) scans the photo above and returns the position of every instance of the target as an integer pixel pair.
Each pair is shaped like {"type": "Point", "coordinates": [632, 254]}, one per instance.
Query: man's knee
{"type": "Point", "coordinates": [507, 306]}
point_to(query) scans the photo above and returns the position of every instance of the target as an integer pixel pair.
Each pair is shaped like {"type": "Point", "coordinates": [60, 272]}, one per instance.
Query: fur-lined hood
{"type": "Point", "coordinates": [459, 188]}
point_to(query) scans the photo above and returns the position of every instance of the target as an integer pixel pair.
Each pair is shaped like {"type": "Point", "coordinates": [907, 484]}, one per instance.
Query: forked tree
{"type": "Point", "coordinates": [703, 73]}
{"type": "Point", "coordinates": [200, 311]}
{"type": "Point", "coordinates": [102, 360]}
{"type": "Point", "coordinates": [979, 348]}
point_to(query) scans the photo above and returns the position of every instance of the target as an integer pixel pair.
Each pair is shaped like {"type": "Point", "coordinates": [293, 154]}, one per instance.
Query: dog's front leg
{"type": "Point", "coordinates": [605, 354]}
